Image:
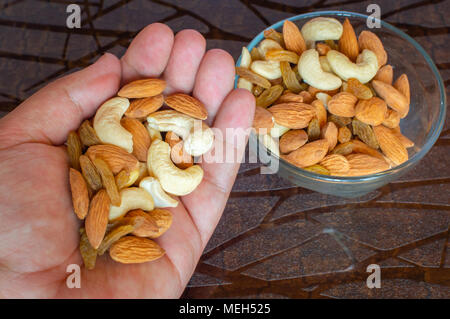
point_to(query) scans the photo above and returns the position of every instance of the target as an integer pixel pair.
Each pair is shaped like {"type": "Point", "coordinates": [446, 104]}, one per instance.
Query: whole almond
{"type": "Point", "coordinates": [360, 147]}
{"type": "Point", "coordinates": [307, 97]}
{"type": "Point", "coordinates": [262, 121]}
{"type": "Point", "coordinates": [87, 134]}
{"type": "Point", "coordinates": [90, 173]}
{"type": "Point", "coordinates": [133, 250]}
{"type": "Point", "coordinates": [392, 97]}
{"type": "Point", "coordinates": [369, 40]}
{"type": "Point", "coordinates": [385, 74]}
{"type": "Point", "coordinates": [343, 104]}
{"type": "Point", "coordinates": [187, 104]}
{"type": "Point", "coordinates": [108, 181]}
{"type": "Point", "coordinates": [141, 108]}
{"type": "Point", "coordinates": [179, 156]}
{"type": "Point", "coordinates": [116, 158]}
{"type": "Point", "coordinates": [97, 218]}
{"type": "Point", "coordinates": [289, 97]}
{"type": "Point", "coordinates": [147, 228]}
{"type": "Point", "coordinates": [402, 85]}
{"type": "Point", "coordinates": [348, 44]}
{"type": "Point", "coordinates": [330, 133]}
{"type": "Point", "coordinates": [403, 139]}
{"type": "Point", "coordinates": [362, 164]}
{"type": "Point", "coordinates": [391, 146]}
{"type": "Point", "coordinates": [336, 164]}
{"type": "Point", "coordinates": [74, 149]}
{"type": "Point", "coordinates": [371, 111]}
{"type": "Point", "coordinates": [293, 38]}
{"type": "Point", "coordinates": [142, 88]}
{"type": "Point", "coordinates": [292, 140]}
{"type": "Point", "coordinates": [163, 219]}
{"type": "Point", "coordinates": [141, 138]}
{"type": "Point", "coordinates": [309, 154]}
{"type": "Point", "coordinates": [80, 197]}
{"type": "Point", "coordinates": [391, 119]}
{"type": "Point", "coordinates": [293, 115]}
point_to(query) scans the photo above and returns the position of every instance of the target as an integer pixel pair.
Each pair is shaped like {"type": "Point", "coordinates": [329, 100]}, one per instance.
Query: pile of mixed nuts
{"type": "Point", "coordinates": [333, 105]}
{"type": "Point", "coordinates": [123, 174]}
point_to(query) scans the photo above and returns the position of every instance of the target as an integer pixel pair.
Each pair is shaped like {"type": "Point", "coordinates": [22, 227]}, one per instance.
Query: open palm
{"type": "Point", "coordinates": [39, 231]}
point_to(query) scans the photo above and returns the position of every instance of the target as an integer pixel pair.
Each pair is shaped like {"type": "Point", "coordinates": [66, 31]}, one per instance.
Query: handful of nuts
{"type": "Point", "coordinates": [332, 104]}
{"type": "Point", "coordinates": [123, 174]}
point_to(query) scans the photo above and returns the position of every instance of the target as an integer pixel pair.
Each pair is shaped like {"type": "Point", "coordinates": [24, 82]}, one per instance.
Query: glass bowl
{"type": "Point", "coordinates": [422, 125]}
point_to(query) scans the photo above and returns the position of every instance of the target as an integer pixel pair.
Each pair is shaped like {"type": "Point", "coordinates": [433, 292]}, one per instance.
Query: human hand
{"type": "Point", "coordinates": [39, 231]}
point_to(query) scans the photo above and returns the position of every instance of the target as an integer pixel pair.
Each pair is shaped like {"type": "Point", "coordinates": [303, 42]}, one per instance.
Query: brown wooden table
{"type": "Point", "coordinates": [275, 240]}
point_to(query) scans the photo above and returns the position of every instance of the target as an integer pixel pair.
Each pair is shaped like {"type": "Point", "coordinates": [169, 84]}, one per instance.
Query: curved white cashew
{"type": "Point", "coordinates": [160, 198]}
{"type": "Point", "coordinates": [132, 198]}
{"type": "Point", "coordinates": [266, 45]}
{"type": "Point", "coordinates": [107, 123]}
{"type": "Point", "coordinates": [244, 84]}
{"type": "Point", "coordinates": [320, 29]}
{"type": "Point", "coordinates": [325, 64]}
{"type": "Point", "coordinates": [324, 97]}
{"type": "Point", "coordinates": [154, 134]}
{"type": "Point", "coordinates": [197, 136]}
{"type": "Point", "coordinates": [311, 72]}
{"type": "Point", "coordinates": [277, 130]}
{"type": "Point", "coordinates": [173, 180]}
{"type": "Point", "coordinates": [365, 68]}
{"type": "Point", "coordinates": [270, 144]}
{"type": "Point", "coordinates": [269, 69]}
{"type": "Point", "coordinates": [246, 58]}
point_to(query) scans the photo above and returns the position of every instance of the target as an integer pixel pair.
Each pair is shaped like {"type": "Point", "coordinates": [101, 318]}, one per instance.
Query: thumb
{"type": "Point", "coordinates": [49, 114]}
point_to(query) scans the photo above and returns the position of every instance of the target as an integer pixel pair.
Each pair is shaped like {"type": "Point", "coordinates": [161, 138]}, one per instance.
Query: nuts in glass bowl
{"type": "Point", "coordinates": [128, 163]}
{"type": "Point", "coordinates": [326, 100]}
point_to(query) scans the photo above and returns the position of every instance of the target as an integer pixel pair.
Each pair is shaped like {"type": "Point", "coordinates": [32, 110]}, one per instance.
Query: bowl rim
{"type": "Point", "coordinates": [436, 128]}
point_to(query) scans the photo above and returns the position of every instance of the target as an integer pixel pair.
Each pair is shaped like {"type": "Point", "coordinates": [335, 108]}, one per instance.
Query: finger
{"type": "Point", "coordinates": [187, 53]}
{"type": "Point", "coordinates": [207, 202]}
{"type": "Point", "coordinates": [148, 53]}
{"type": "Point", "coordinates": [214, 80]}
{"type": "Point", "coordinates": [60, 107]}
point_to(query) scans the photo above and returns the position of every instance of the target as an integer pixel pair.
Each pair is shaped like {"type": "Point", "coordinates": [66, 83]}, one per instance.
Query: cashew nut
{"type": "Point", "coordinates": [320, 29]}
{"type": "Point", "coordinates": [197, 136]}
{"type": "Point", "coordinates": [246, 58]}
{"type": "Point", "coordinates": [325, 64]}
{"type": "Point", "coordinates": [154, 134]}
{"type": "Point", "coordinates": [160, 198]}
{"type": "Point", "coordinates": [365, 68]}
{"type": "Point", "coordinates": [324, 97]}
{"type": "Point", "coordinates": [132, 198]}
{"type": "Point", "coordinates": [270, 144]}
{"type": "Point", "coordinates": [266, 45]}
{"type": "Point", "coordinates": [244, 84]}
{"type": "Point", "coordinates": [311, 72]}
{"type": "Point", "coordinates": [269, 69]}
{"type": "Point", "coordinates": [277, 130]}
{"type": "Point", "coordinates": [107, 123]}
{"type": "Point", "coordinates": [173, 180]}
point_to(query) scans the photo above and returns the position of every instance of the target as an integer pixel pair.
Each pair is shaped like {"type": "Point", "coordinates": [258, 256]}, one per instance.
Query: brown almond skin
{"type": "Point", "coordinates": [402, 85]}
{"type": "Point", "coordinates": [369, 40]}
{"type": "Point", "coordinates": [188, 105]}
{"type": "Point", "coordinates": [392, 97]}
{"type": "Point", "coordinates": [97, 218]}
{"type": "Point", "coordinates": [391, 146]}
{"type": "Point", "coordinates": [348, 44]}
{"type": "Point", "coordinates": [343, 104]}
{"type": "Point", "coordinates": [309, 154]}
{"type": "Point", "coordinates": [292, 140]}
{"type": "Point", "coordinates": [134, 250]}
{"type": "Point", "coordinates": [80, 196]}
{"type": "Point", "coordinates": [293, 38]}
{"type": "Point", "coordinates": [385, 74]}
{"type": "Point", "coordinates": [262, 121]}
{"type": "Point", "coordinates": [391, 119]}
{"type": "Point", "coordinates": [116, 158]}
{"type": "Point", "coordinates": [336, 164]}
{"type": "Point", "coordinates": [141, 138]}
{"type": "Point", "coordinates": [363, 164]}
{"type": "Point", "coordinates": [371, 111]}
{"type": "Point", "coordinates": [293, 115]}
{"type": "Point", "coordinates": [141, 108]}
{"type": "Point", "coordinates": [330, 133]}
{"type": "Point", "coordinates": [148, 228]}
{"type": "Point", "coordinates": [142, 88]}
{"type": "Point", "coordinates": [163, 219]}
